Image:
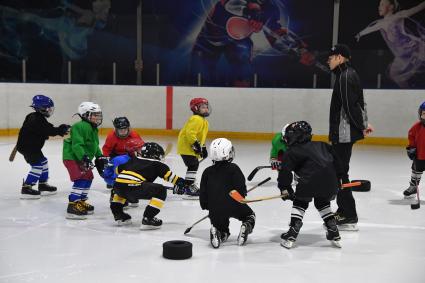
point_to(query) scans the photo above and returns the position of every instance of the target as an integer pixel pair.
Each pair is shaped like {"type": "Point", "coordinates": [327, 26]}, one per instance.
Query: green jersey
{"type": "Point", "coordinates": [277, 145]}
{"type": "Point", "coordinates": [84, 140]}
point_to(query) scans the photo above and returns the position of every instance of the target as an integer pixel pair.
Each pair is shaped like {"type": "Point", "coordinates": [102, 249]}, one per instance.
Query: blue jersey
{"type": "Point", "coordinates": [110, 172]}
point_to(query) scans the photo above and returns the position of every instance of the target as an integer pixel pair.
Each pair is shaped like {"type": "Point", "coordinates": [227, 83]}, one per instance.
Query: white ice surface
{"type": "Point", "coordinates": [37, 243]}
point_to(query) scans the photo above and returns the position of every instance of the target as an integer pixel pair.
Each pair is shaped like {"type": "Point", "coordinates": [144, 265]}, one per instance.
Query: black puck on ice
{"type": "Point", "coordinates": [364, 186]}
{"type": "Point", "coordinates": [177, 249]}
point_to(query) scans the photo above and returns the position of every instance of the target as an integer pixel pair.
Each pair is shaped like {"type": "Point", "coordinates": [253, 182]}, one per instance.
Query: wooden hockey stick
{"type": "Point", "coordinates": [13, 153]}
{"type": "Point", "coordinates": [168, 149]}
{"type": "Point", "coordinates": [256, 169]}
{"type": "Point", "coordinates": [239, 198]}
{"type": "Point", "coordinates": [206, 216]}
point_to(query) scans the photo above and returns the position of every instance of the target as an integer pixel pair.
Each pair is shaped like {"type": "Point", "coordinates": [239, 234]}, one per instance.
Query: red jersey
{"type": "Point", "coordinates": [417, 139]}
{"type": "Point", "coordinates": [116, 146]}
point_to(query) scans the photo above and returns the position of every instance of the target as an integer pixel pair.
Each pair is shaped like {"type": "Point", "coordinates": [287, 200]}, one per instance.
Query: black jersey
{"type": "Point", "coordinates": [138, 170]}
{"type": "Point", "coordinates": [216, 183]}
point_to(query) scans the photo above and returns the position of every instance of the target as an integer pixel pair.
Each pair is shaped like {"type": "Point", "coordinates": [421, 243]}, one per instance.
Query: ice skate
{"type": "Point", "coordinates": [27, 192]}
{"type": "Point", "coordinates": [346, 223]}
{"type": "Point", "coordinates": [45, 189]}
{"type": "Point", "coordinates": [289, 238]}
{"type": "Point", "coordinates": [410, 192]}
{"type": "Point", "coordinates": [76, 210]}
{"type": "Point", "coordinates": [332, 233]}
{"type": "Point", "coordinates": [191, 192]}
{"type": "Point", "coordinates": [121, 218]}
{"type": "Point", "coordinates": [215, 237]}
{"type": "Point", "coordinates": [150, 223]}
{"type": "Point", "coordinates": [88, 207]}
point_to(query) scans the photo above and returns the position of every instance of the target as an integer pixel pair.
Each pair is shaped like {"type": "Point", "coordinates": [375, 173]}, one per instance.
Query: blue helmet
{"type": "Point", "coordinates": [43, 104]}
{"type": "Point", "coordinates": [421, 108]}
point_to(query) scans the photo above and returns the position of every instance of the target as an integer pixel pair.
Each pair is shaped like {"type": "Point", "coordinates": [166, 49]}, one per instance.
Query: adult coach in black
{"type": "Point", "coordinates": [347, 124]}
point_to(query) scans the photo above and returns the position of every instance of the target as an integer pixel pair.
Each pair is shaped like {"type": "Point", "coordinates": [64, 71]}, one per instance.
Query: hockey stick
{"type": "Point", "coordinates": [13, 153]}
{"type": "Point", "coordinates": [256, 169]}
{"type": "Point", "coordinates": [206, 216]}
{"type": "Point", "coordinates": [416, 205]}
{"type": "Point", "coordinates": [168, 149]}
{"type": "Point", "coordinates": [239, 198]}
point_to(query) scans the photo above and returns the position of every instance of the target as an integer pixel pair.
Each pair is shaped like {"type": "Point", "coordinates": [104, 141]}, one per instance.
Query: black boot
{"type": "Point", "coordinates": [121, 218]}
{"type": "Point", "coordinates": [27, 192]}
{"type": "Point", "coordinates": [45, 189]}
{"type": "Point", "coordinates": [289, 238]}
{"type": "Point", "coordinates": [332, 233]}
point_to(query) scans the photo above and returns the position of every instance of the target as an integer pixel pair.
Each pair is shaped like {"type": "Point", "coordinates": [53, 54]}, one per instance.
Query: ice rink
{"type": "Point", "coordinates": [37, 243]}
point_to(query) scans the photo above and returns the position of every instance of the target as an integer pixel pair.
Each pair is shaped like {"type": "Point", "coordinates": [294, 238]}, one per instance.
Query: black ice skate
{"type": "Point", "coordinates": [410, 192]}
{"type": "Point", "coordinates": [191, 192]}
{"type": "Point", "coordinates": [332, 233]}
{"type": "Point", "coordinates": [121, 218]}
{"type": "Point", "coordinates": [150, 223]}
{"type": "Point", "coordinates": [76, 210]}
{"type": "Point", "coordinates": [215, 237]}
{"type": "Point", "coordinates": [346, 223]}
{"type": "Point", "coordinates": [88, 207]}
{"type": "Point", "coordinates": [289, 238]}
{"type": "Point", "coordinates": [45, 189]}
{"type": "Point", "coordinates": [27, 192]}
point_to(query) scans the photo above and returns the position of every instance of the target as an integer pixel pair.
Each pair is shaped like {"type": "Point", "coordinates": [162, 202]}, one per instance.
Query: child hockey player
{"type": "Point", "coordinates": [135, 181]}
{"type": "Point", "coordinates": [191, 142]}
{"type": "Point", "coordinates": [32, 136]}
{"type": "Point", "coordinates": [78, 152]}
{"type": "Point", "coordinates": [315, 164]}
{"type": "Point", "coordinates": [416, 152]}
{"type": "Point", "coordinates": [216, 183]}
{"type": "Point", "coordinates": [278, 148]}
{"type": "Point", "coordinates": [116, 140]}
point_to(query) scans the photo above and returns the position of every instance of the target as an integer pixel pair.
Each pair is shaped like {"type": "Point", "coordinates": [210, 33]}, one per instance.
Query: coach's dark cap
{"type": "Point", "coordinates": [340, 49]}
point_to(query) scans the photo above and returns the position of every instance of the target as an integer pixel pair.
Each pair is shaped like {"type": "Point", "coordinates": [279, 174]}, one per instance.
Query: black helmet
{"type": "Point", "coordinates": [297, 132]}
{"type": "Point", "coordinates": [152, 150]}
{"type": "Point", "coordinates": [121, 123]}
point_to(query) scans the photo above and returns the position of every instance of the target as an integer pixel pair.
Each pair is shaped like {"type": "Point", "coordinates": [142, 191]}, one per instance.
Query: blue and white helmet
{"type": "Point", "coordinates": [43, 104]}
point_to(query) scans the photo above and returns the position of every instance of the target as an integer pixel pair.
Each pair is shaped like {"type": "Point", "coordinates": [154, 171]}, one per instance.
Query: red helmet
{"type": "Point", "coordinates": [196, 102]}
{"type": "Point", "coordinates": [133, 145]}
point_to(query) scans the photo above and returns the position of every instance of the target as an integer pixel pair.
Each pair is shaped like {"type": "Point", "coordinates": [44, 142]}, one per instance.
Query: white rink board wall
{"type": "Point", "coordinates": [263, 110]}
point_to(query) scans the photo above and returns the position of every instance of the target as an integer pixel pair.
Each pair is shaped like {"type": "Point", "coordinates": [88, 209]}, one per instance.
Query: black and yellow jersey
{"type": "Point", "coordinates": [138, 170]}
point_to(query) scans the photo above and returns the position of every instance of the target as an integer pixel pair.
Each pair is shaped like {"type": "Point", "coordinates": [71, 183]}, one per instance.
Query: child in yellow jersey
{"type": "Point", "coordinates": [191, 143]}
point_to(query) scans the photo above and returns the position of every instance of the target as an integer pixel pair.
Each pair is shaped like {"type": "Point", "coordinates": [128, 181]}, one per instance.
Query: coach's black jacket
{"type": "Point", "coordinates": [316, 166]}
{"type": "Point", "coordinates": [347, 115]}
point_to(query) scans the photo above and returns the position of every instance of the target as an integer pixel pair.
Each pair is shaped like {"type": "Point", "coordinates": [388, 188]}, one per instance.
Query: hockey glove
{"type": "Point", "coordinates": [196, 146]}
{"type": "Point", "coordinates": [101, 162]}
{"type": "Point", "coordinates": [86, 164]}
{"type": "Point", "coordinates": [179, 187]}
{"type": "Point", "coordinates": [290, 192]}
{"type": "Point", "coordinates": [411, 152]}
{"type": "Point", "coordinates": [204, 152]}
{"type": "Point", "coordinates": [275, 163]}
{"type": "Point", "coordinates": [63, 129]}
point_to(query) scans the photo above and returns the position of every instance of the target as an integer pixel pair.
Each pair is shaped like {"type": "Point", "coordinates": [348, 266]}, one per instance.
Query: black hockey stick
{"type": "Point", "coordinates": [256, 169]}
{"type": "Point", "coordinates": [206, 216]}
{"type": "Point", "coordinates": [416, 205]}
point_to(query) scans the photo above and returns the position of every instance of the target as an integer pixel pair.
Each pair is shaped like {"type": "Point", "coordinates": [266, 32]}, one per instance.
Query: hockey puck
{"type": "Point", "coordinates": [177, 249]}
{"type": "Point", "coordinates": [363, 187]}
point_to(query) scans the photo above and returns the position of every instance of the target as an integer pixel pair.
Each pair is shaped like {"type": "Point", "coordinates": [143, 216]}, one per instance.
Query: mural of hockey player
{"type": "Point", "coordinates": [407, 46]}
{"type": "Point", "coordinates": [69, 31]}
{"type": "Point", "coordinates": [227, 32]}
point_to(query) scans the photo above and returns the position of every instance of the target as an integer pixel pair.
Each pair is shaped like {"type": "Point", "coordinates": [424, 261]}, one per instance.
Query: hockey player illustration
{"type": "Point", "coordinates": [407, 46]}
{"type": "Point", "coordinates": [135, 180]}
{"type": "Point", "coordinates": [32, 136]}
{"type": "Point", "coordinates": [227, 32]}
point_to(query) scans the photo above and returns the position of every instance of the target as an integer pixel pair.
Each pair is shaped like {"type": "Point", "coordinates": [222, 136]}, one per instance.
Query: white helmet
{"type": "Point", "coordinates": [87, 110]}
{"type": "Point", "coordinates": [222, 149]}
{"type": "Point", "coordinates": [284, 130]}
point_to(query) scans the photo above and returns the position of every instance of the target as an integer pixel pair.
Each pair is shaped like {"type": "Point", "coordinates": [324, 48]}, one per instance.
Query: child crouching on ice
{"type": "Point", "coordinates": [216, 183]}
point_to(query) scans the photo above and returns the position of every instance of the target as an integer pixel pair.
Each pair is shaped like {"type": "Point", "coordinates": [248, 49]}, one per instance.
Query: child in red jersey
{"type": "Point", "coordinates": [416, 152]}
